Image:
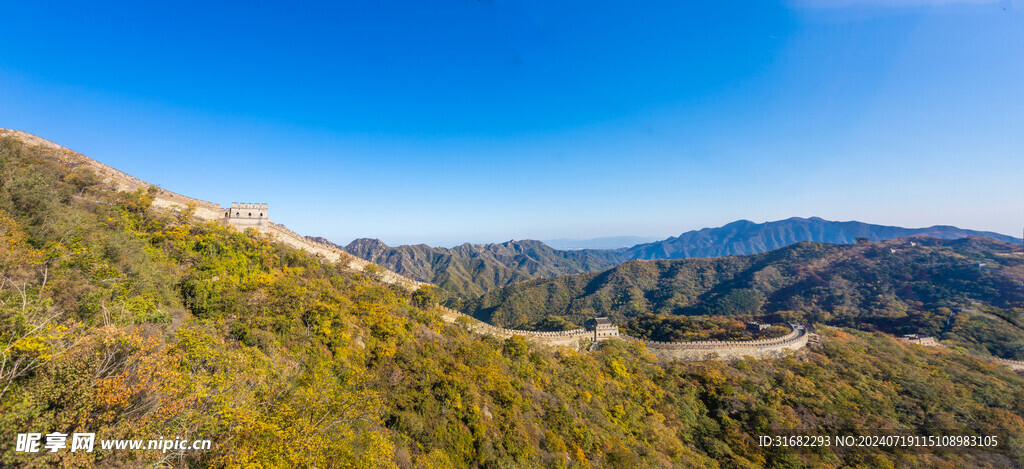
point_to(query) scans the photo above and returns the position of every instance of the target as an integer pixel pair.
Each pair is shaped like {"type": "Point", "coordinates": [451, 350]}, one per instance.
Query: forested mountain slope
{"type": "Point", "coordinates": [133, 322]}
{"type": "Point", "coordinates": [901, 286]}
{"type": "Point", "coordinates": [473, 269]}
{"type": "Point", "coordinates": [746, 237]}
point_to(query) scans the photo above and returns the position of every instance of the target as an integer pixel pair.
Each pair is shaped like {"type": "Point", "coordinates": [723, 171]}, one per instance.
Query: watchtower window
{"type": "Point", "coordinates": [238, 214]}
{"type": "Point", "coordinates": [250, 214]}
{"type": "Point", "coordinates": [261, 214]}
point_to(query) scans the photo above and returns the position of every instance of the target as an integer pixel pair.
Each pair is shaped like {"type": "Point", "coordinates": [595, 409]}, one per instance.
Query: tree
{"type": "Point", "coordinates": [425, 296]}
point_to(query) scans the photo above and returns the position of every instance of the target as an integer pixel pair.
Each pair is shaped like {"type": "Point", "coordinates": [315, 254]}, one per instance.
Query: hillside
{"type": "Point", "coordinates": [612, 242]}
{"type": "Point", "coordinates": [906, 285]}
{"type": "Point", "coordinates": [131, 321]}
{"type": "Point", "coordinates": [746, 237]}
{"type": "Point", "coordinates": [470, 270]}
{"type": "Point", "coordinates": [91, 173]}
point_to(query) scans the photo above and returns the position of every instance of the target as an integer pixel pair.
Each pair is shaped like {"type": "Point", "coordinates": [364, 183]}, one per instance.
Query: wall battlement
{"type": "Point", "coordinates": [245, 215]}
{"type": "Point", "coordinates": [242, 206]}
{"type": "Point", "coordinates": [684, 351]}
{"type": "Point", "coordinates": [711, 344]}
{"type": "Point", "coordinates": [332, 253]}
{"type": "Point", "coordinates": [727, 350]}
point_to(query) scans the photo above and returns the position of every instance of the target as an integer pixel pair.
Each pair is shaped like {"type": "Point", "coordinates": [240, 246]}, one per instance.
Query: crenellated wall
{"type": "Point", "coordinates": [203, 210]}
{"type": "Point", "coordinates": [122, 181]}
{"type": "Point", "coordinates": [576, 338]}
{"type": "Point", "coordinates": [245, 215]}
{"type": "Point", "coordinates": [669, 351]}
{"type": "Point", "coordinates": [331, 253]}
{"type": "Point", "coordinates": [726, 350]}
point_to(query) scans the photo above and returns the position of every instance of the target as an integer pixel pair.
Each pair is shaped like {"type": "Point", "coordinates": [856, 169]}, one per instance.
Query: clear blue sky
{"type": "Point", "coordinates": [451, 121]}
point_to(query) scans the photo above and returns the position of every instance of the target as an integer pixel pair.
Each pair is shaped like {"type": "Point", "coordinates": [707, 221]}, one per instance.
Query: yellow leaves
{"type": "Point", "coordinates": [580, 457]}
{"type": "Point", "coordinates": [554, 443]}
{"type": "Point", "coordinates": [14, 248]}
{"type": "Point", "coordinates": [38, 344]}
{"type": "Point", "coordinates": [617, 412]}
{"type": "Point", "coordinates": [34, 344]}
{"type": "Point", "coordinates": [177, 233]}
{"type": "Point", "coordinates": [320, 420]}
{"type": "Point", "coordinates": [135, 382]}
{"type": "Point", "coordinates": [618, 370]}
{"type": "Point", "coordinates": [263, 279]}
{"type": "Point", "coordinates": [713, 376]}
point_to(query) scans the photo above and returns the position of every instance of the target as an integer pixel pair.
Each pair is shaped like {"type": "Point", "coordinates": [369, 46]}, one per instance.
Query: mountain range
{"type": "Point", "coordinates": [472, 269]}
{"type": "Point", "coordinates": [610, 242]}
{"type": "Point", "coordinates": [125, 318]}
{"type": "Point", "coordinates": [747, 237]}
{"type": "Point", "coordinates": [900, 286]}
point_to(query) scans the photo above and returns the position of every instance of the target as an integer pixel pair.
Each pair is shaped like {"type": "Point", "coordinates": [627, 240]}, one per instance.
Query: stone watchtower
{"type": "Point", "coordinates": [246, 215]}
{"type": "Point", "coordinates": [755, 327]}
{"type": "Point", "coordinates": [603, 329]}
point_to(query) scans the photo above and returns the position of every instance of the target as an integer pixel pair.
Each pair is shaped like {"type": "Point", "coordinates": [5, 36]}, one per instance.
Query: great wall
{"type": "Point", "coordinates": [1013, 364]}
{"type": "Point", "coordinates": [207, 211]}
{"type": "Point", "coordinates": [576, 338]}
{"type": "Point", "coordinates": [163, 199]}
{"type": "Point", "coordinates": [683, 351]}
{"type": "Point", "coordinates": [728, 350]}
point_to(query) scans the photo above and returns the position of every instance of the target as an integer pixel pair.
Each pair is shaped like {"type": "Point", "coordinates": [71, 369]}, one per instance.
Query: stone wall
{"type": "Point", "coordinates": [727, 350]}
{"type": "Point", "coordinates": [203, 210]}
{"type": "Point", "coordinates": [669, 351]}
{"type": "Point", "coordinates": [122, 181]}
{"type": "Point", "coordinates": [331, 253]}
{"type": "Point", "coordinates": [246, 215]}
{"type": "Point", "coordinates": [576, 338]}
{"type": "Point", "coordinates": [1013, 364]}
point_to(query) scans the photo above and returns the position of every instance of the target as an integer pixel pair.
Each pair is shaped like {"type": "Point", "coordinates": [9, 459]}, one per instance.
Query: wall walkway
{"type": "Point", "coordinates": [669, 351]}
{"type": "Point", "coordinates": [727, 350]}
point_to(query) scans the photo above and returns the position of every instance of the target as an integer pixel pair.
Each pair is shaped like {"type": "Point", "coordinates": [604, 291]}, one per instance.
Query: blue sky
{"type": "Point", "coordinates": [451, 121]}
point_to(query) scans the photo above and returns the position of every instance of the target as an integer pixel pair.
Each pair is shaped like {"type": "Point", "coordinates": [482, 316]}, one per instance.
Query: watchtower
{"type": "Point", "coordinates": [246, 215]}
{"type": "Point", "coordinates": [603, 329]}
{"type": "Point", "coordinates": [755, 327]}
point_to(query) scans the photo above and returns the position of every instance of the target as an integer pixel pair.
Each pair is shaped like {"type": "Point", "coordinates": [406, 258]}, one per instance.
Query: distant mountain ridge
{"type": "Point", "coordinates": [746, 237]}
{"type": "Point", "coordinates": [900, 286]}
{"type": "Point", "coordinates": [472, 269]}
{"type": "Point", "coordinates": [611, 242]}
